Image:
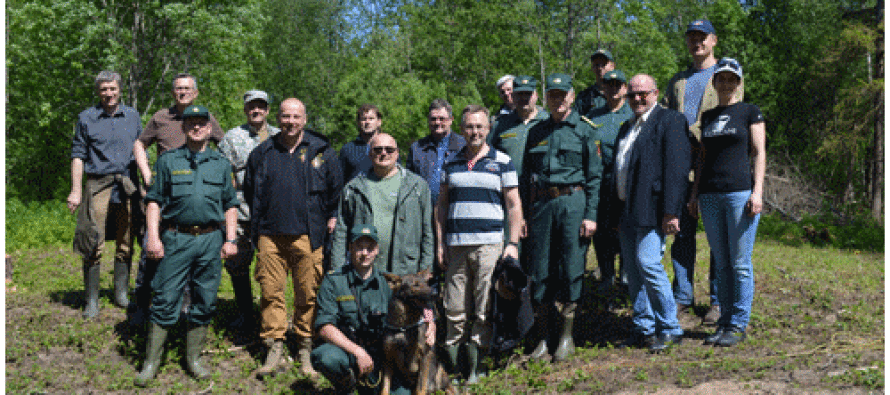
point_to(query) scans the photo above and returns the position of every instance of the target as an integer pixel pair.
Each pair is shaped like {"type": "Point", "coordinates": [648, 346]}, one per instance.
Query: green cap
{"type": "Point", "coordinates": [559, 81]}
{"type": "Point", "coordinates": [615, 75]}
{"type": "Point", "coordinates": [604, 53]}
{"type": "Point", "coordinates": [363, 230]}
{"type": "Point", "coordinates": [525, 83]}
{"type": "Point", "coordinates": [195, 111]}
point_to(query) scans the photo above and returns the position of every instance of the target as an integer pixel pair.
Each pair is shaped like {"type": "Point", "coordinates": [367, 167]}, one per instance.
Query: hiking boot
{"type": "Point", "coordinates": [91, 290]}
{"type": "Point", "coordinates": [731, 337]}
{"type": "Point", "coordinates": [303, 352]}
{"type": "Point", "coordinates": [566, 343]}
{"type": "Point", "coordinates": [121, 283]}
{"type": "Point", "coordinates": [712, 339]}
{"type": "Point", "coordinates": [712, 315]}
{"type": "Point", "coordinates": [273, 358]}
{"type": "Point", "coordinates": [194, 345]}
{"type": "Point", "coordinates": [157, 335]}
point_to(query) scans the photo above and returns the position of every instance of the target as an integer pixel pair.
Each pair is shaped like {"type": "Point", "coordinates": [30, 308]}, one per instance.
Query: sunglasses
{"type": "Point", "coordinates": [631, 95]}
{"type": "Point", "coordinates": [379, 150]}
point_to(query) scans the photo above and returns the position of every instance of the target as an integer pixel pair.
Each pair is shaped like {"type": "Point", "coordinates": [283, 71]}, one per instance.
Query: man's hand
{"type": "Point", "coordinates": [442, 257]}
{"type": "Point", "coordinates": [73, 201]}
{"type": "Point", "coordinates": [588, 228]}
{"type": "Point", "coordinates": [754, 205]}
{"type": "Point", "coordinates": [511, 251]}
{"type": "Point", "coordinates": [331, 224]}
{"type": "Point", "coordinates": [154, 249]}
{"type": "Point", "coordinates": [523, 229]}
{"type": "Point", "coordinates": [365, 363]}
{"type": "Point", "coordinates": [692, 207]}
{"type": "Point", "coordinates": [670, 225]}
{"type": "Point", "coordinates": [228, 250]}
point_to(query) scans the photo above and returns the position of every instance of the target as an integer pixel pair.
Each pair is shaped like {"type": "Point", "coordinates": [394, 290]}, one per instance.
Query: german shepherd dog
{"type": "Point", "coordinates": [405, 351]}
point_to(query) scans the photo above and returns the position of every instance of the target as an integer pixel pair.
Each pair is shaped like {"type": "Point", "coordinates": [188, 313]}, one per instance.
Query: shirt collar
{"type": "Point", "coordinates": [354, 279]}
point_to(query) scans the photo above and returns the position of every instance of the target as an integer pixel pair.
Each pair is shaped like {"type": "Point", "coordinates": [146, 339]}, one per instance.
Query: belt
{"type": "Point", "coordinates": [193, 230]}
{"type": "Point", "coordinates": [554, 191]}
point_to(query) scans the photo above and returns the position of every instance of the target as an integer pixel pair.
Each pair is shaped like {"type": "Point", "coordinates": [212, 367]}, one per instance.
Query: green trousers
{"type": "Point", "coordinates": [556, 249]}
{"type": "Point", "coordinates": [187, 257]}
{"type": "Point", "coordinates": [335, 364]}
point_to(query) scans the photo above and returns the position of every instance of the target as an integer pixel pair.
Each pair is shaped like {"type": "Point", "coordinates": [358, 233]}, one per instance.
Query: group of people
{"type": "Point", "coordinates": [608, 165]}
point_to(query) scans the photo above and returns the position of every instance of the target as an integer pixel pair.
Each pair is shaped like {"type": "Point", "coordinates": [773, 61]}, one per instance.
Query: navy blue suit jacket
{"type": "Point", "coordinates": [658, 167]}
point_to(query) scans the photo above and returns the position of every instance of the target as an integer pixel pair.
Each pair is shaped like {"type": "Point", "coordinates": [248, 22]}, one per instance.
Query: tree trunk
{"type": "Point", "coordinates": [877, 170]}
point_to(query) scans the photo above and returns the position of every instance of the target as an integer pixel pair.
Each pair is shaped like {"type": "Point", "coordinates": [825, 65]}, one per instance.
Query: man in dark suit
{"type": "Point", "coordinates": [653, 159]}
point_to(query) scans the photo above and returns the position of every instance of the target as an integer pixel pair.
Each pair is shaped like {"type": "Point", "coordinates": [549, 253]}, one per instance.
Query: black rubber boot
{"type": "Point", "coordinates": [542, 320]}
{"type": "Point", "coordinates": [157, 335]}
{"type": "Point", "coordinates": [194, 345]}
{"type": "Point", "coordinates": [566, 343]}
{"type": "Point", "coordinates": [91, 290]}
{"type": "Point", "coordinates": [121, 284]}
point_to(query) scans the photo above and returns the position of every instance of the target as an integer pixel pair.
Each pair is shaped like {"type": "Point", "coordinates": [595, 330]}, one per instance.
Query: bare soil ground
{"type": "Point", "coordinates": [817, 328]}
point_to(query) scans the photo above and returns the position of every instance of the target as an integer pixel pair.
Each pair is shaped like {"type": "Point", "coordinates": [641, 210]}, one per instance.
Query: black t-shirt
{"type": "Point", "coordinates": [726, 138]}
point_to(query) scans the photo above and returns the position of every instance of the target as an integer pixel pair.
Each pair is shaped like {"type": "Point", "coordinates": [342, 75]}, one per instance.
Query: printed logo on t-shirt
{"type": "Point", "coordinates": [492, 167]}
{"type": "Point", "coordinates": [719, 128]}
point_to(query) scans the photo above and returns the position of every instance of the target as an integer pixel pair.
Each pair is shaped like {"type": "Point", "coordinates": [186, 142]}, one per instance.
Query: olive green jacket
{"type": "Point", "coordinates": [412, 235]}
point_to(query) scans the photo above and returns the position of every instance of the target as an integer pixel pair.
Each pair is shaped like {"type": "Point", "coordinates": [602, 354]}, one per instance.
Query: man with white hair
{"type": "Point", "coordinates": [504, 86]}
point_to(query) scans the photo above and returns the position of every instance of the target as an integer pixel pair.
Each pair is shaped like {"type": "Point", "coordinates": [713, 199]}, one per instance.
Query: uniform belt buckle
{"type": "Point", "coordinates": [194, 230]}
{"type": "Point", "coordinates": [553, 192]}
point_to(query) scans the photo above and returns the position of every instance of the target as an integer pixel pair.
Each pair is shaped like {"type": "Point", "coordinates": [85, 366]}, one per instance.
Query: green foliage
{"type": "Point", "coordinates": [859, 232]}
{"type": "Point", "coordinates": [37, 224]}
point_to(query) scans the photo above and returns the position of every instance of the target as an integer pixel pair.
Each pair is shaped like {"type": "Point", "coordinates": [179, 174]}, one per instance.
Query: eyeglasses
{"type": "Point", "coordinates": [632, 95]}
{"type": "Point", "coordinates": [379, 150]}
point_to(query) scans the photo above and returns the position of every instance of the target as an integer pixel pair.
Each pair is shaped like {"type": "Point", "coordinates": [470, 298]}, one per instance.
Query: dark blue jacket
{"type": "Point", "coordinates": [658, 167]}
{"type": "Point", "coordinates": [323, 182]}
{"type": "Point", "coordinates": [423, 155]}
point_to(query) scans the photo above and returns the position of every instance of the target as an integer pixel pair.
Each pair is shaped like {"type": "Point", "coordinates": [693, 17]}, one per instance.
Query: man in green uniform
{"type": "Point", "coordinates": [194, 186]}
{"type": "Point", "coordinates": [562, 182]}
{"type": "Point", "coordinates": [511, 131]}
{"type": "Point", "coordinates": [606, 121]}
{"type": "Point", "coordinates": [352, 306]}
{"type": "Point", "coordinates": [601, 62]}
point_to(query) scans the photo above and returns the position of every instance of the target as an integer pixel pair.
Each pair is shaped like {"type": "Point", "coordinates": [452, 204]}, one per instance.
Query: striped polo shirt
{"type": "Point", "coordinates": [476, 198]}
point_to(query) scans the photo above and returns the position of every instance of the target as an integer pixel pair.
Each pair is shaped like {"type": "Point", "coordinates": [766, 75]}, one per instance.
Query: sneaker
{"type": "Point", "coordinates": [712, 315]}
{"type": "Point", "coordinates": [712, 339]}
{"type": "Point", "coordinates": [731, 337]}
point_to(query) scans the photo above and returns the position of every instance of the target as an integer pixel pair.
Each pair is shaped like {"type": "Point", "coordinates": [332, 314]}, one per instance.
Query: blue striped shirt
{"type": "Point", "coordinates": [476, 198]}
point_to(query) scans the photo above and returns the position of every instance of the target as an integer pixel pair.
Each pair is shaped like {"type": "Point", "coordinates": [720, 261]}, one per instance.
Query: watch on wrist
{"type": "Point", "coordinates": [514, 244]}
{"type": "Point", "coordinates": [233, 241]}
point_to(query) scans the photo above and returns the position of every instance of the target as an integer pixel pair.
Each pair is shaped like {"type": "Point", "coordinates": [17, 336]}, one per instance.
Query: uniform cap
{"type": "Point", "coordinates": [195, 112]}
{"type": "Point", "coordinates": [559, 81]}
{"type": "Point", "coordinates": [362, 230]}
{"type": "Point", "coordinates": [525, 83]}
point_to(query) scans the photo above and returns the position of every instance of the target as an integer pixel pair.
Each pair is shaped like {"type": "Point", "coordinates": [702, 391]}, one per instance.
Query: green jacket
{"type": "Point", "coordinates": [412, 247]}
{"type": "Point", "coordinates": [338, 306]}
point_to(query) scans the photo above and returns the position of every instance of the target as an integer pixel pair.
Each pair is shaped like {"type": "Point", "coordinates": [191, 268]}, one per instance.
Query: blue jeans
{"type": "Point", "coordinates": [683, 260]}
{"type": "Point", "coordinates": [731, 233]}
{"type": "Point", "coordinates": [654, 309]}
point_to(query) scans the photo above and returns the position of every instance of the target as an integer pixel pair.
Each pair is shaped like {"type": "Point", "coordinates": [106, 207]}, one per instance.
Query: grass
{"type": "Point", "coordinates": [816, 325]}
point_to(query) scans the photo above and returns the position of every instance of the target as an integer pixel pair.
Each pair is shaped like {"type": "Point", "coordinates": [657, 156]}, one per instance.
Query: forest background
{"type": "Point", "coordinates": [815, 67]}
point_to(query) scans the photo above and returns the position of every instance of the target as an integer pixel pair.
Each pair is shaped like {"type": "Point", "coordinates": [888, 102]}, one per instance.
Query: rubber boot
{"type": "Point", "coordinates": [121, 284]}
{"type": "Point", "coordinates": [542, 319]}
{"type": "Point", "coordinates": [453, 368]}
{"type": "Point", "coordinates": [194, 345]}
{"type": "Point", "coordinates": [473, 361]}
{"type": "Point", "coordinates": [273, 358]}
{"type": "Point", "coordinates": [305, 361]}
{"type": "Point", "coordinates": [244, 301]}
{"type": "Point", "coordinates": [157, 335]}
{"type": "Point", "coordinates": [566, 343]}
{"type": "Point", "coordinates": [91, 290]}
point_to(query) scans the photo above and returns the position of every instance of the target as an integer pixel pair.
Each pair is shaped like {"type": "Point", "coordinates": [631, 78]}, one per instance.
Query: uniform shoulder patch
{"type": "Point", "coordinates": [180, 172]}
{"type": "Point", "coordinates": [345, 298]}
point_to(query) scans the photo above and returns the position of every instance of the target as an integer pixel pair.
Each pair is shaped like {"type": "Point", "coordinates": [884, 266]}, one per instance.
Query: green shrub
{"type": "Point", "coordinates": [37, 224]}
{"type": "Point", "coordinates": [852, 233]}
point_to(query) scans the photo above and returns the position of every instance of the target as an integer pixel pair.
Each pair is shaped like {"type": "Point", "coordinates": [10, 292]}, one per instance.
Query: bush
{"type": "Point", "coordinates": [851, 233]}
{"type": "Point", "coordinates": [37, 224]}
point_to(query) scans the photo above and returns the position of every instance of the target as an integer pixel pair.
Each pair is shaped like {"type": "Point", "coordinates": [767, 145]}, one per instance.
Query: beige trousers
{"type": "Point", "coordinates": [277, 256]}
{"type": "Point", "coordinates": [468, 292]}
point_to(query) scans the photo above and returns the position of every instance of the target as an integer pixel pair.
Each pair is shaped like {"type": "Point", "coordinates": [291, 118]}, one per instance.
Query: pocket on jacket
{"type": "Point", "coordinates": [182, 185]}
{"type": "Point", "coordinates": [570, 155]}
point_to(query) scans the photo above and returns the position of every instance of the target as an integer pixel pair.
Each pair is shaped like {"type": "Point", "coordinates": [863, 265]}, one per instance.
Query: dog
{"type": "Point", "coordinates": [405, 351]}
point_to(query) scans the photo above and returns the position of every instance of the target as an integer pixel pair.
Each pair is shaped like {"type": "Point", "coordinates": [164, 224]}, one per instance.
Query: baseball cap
{"type": "Point", "coordinates": [256, 95]}
{"type": "Point", "coordinates": [525, 83]}
{"type": "Point", "coordinates": [559, 81]}
{"type": "Point", "coordinates": [701, 25]}
{"type": "Point", "coordinates": [195, 112]}
{"type": "Point", "coordinates": [363, 230]}
{"type": "Point", "coordinates": [602, 52]}
{"type": "Point", "coordinates": [729, 64]}
{"type": "Point", "coordinates": [616, 75]}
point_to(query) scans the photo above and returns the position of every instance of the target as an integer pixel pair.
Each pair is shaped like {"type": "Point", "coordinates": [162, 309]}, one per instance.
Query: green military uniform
{"type": "Point", "coordinates": [342, 297]}
{"type": "Point", "coordinates": [606, 124]}
{"type": "Point", "coordinates": [562, 181]}
{"type": "Point", "coordinates": [194, 190]}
